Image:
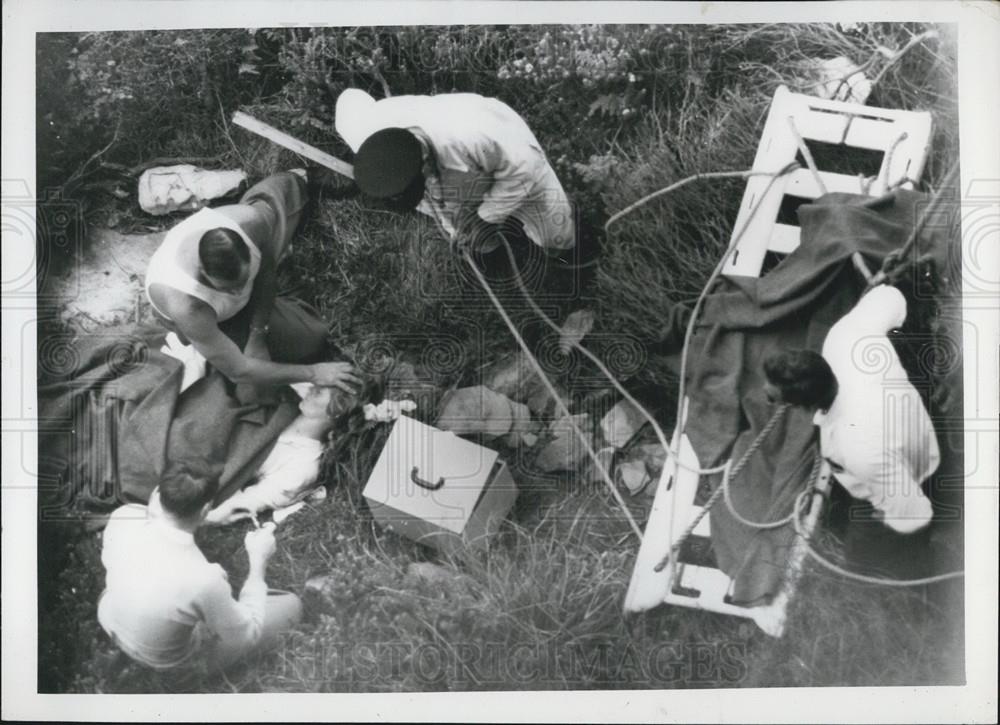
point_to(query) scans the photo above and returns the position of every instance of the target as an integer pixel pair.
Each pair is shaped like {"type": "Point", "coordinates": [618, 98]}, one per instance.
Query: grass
{"type": "Point", "coordinates": [542, 609]}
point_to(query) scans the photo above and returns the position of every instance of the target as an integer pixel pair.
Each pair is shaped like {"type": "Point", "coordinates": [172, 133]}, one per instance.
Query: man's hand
{"type": "Point", "coordinates": [260, 545]}
{"type": "Point", "coordinates": [475, 234]}
{"type": "Point", "coordinates": [336, 374]}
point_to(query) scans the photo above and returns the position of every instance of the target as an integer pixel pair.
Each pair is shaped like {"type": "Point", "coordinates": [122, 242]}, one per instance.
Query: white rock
{"type": "Point", "coordinates": [478, 409]}
{"type": "Point", "coordinates": [621, 423]}
{"type": "Point", "coordinates": [576, 327]}
{"type": "Point", "coordinates": [839, 79]}
{"type": "Point", "coordinates": [633, 474]}
{"type": "Point", "coordinates": [166, 189]}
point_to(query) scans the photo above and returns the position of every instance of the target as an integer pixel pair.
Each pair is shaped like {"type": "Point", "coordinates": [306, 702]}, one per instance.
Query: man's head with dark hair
{"type": "Point", "coordinates": [188, 485]}
{"type": "Point", "coordinates": [802, 377]}
{"type": "Point", "coordinates": [224, 256]}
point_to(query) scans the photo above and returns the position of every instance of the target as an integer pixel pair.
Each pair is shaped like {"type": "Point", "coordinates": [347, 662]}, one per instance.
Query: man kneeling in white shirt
{"type": "Point", "coordinates": [873, 427]}
{"type": "Point", "coordinates": [164, 604]}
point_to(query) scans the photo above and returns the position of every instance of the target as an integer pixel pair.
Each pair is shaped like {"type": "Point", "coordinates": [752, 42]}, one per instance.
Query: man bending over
{"type": "Point", "coordinates": [164, 604]}
{"type": "Point", "coordinates": [212, 282]}
{"type": "Point", "coordinates": [874, 429]}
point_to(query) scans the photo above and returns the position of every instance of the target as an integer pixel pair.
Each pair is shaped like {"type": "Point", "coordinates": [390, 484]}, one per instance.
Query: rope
{"type": "Point", "coordinates": [893, 260]}
{"type": "Point", "coordinates": [888, 157]}
{"type": "Point", "coordinates": [778, 414]}
{"type": "Point", "coordinates": [807, 155]}
{"type": "Point", "coordinates": [555, 395]}
{"type": "Point", "coordinates": [850, 121]}
{"type": "Point", "coordinates": [827, 564]}
{"type": "Point", "coordinates": [678, 184]}
{"type": "Point", "coordinates": [682, 387]}
{"type": "Point", "coordinates": [660, 435]}
{"type": "Point", "coordinates": [813, 474]}
{"type": "Point", "coordinates": [915, 40]}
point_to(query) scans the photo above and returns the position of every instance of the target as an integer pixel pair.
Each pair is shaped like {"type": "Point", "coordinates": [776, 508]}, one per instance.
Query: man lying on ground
{"type": "Point", "coordinates": [164, 604]}
{"type": "Point", "coordinates": [213, 282]}
{"type": "Point", "coordinates": [874, 429]}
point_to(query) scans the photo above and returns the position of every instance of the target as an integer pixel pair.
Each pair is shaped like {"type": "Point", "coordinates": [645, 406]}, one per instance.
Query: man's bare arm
{"type": "Point", "coordinates": [197, 322]}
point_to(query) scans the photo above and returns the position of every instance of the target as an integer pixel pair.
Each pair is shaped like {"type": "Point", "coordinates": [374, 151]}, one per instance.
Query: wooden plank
{"type": "Point", "coordinates": [293, 144]}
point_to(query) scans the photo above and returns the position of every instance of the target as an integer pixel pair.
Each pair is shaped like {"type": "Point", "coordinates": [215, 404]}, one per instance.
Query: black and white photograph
{"type": "Point", "coordinates": [555, 348]}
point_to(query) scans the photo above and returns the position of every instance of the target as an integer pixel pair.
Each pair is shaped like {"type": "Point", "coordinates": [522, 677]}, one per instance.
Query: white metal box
{"type": "Point", "coordinates": [437, 489]}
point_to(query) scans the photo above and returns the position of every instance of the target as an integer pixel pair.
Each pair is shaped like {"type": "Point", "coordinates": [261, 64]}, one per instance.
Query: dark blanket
{"type": "Point", "coordinates": [744, 320]}
{"type": "Point", "coordinates": [113, 415]}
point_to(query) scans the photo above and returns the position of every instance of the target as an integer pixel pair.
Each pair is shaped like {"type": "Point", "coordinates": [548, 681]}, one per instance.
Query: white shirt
{"type": "Point", "coordinates": [877, 435]}
{"type": "Point", "coordinates": [288, 475]}
{"type": "Point", "coordinates": [481, 151]}
{"type": "Point", "coordinates": [163, 597]}
{"type": "Point", "coordinates": [167, 265]}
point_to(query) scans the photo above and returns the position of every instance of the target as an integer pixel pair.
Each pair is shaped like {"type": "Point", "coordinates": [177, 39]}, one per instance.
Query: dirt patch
{"type": "Point", "coordinates": [105, 286]}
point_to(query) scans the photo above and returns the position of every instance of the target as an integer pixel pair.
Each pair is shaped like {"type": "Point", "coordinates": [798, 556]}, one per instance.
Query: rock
{"type": "Point", "coordinates": [512, 375]}
{"type": "Point", "coordinates": [838, 79]}
{"type": "Point", "coordinates": [433, 573]}
{"type": "Point", "coordinates": [565, 451]}
{"type": "Point", "coordinates": [654, 456]}
{"type": "Point", "coordinates": [167, 189]}
{"type": "Point", "coordinates": [621, 423]}
{"type": "Point", "coordinates": [633, 474]}
{"type": "Point", "coordinates": [478, 409]}
{"type": "Point", "coordinates": [518, 439]}
{"type": "Point", "coordinates": [575, 328]}
{"type": "Point", "coordinates": [543, 405]}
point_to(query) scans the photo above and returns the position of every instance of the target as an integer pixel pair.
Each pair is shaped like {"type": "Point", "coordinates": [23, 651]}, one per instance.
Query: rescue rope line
{"type": "Point", "coordinates": [678, 184]}
{"type": "Point", "coordinates": [827, 564]}
{"type": "Point", "coordinates": [555, 395]}
{"type": "Point", "coordinates": [778, 414]}
{"type": "Point", "coordinates": [660, 435]}
{"type": "Point", "coordinates": [807, 155]}
{"type": "Point", "coordinates": [689, 332]}
{"type": "Point", "coordinates": [727, 497]}
{"type": "Point", "coordinates": [888, 161]}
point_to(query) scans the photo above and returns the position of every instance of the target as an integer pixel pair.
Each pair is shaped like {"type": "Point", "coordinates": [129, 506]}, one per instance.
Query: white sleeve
{"type": "Point", "coordinates": [514, 168]}
{"type": "Point", "coordinates": [237, 623]}
{"type": "Point", "coordinates": [287, 475]}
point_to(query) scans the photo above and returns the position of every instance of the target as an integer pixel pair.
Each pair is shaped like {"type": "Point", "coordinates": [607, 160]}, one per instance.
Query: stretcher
{"type": "Point", "coordinates": [891, 146]}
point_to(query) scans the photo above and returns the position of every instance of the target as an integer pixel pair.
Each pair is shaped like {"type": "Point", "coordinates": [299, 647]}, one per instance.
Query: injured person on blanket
{"type": "Point", "coordinates": [288, 477]}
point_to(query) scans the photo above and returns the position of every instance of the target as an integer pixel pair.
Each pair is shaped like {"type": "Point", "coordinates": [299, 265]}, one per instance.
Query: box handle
{"type": "Point", "coordinates": [424, 483]}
